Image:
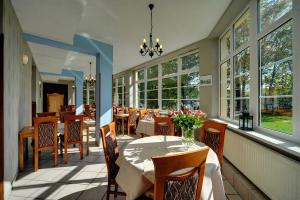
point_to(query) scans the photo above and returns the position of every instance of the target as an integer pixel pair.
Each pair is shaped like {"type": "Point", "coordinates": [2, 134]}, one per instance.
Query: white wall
{"type": "Point", "coordinates": [17, 92]}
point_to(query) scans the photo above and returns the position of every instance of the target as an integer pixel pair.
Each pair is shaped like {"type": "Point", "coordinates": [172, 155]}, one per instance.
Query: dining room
{"type": "Point", "coordinates": [150, 99]}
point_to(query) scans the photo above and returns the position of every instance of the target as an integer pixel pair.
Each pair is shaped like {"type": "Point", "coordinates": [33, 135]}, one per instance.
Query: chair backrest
{"type": "Point", "coordinates": [46, 114]}
{"type": "Point", "coordinates": [179, 175]}
{"type": "Point", "coordinates": [45, 132]}
{"type": "Point", "coordinates": [110, 148]}
{"type": "Point", "coordinates": [62, 108]}
{"type": "Point", "coordinates": [142, 113]}
{"type": "Point", "coordinates": [70, 108]}
{"type": "Point", "coordinates": [163, 126]}
{"type": "Point", "coordinates": [213, 135]}
{"type": "Point", "coordinates": [62, 115]}
{"type": "Point", "coordinates": [120, 110]}
{"type": "Point", "coordinates": [133, 116]}
{"type": "Point", "coordinates": [73, 128]}
{"type": "Point", "coordinates": [156, 112]}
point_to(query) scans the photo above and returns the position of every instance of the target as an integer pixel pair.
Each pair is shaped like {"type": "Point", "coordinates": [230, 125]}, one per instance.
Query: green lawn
{"type": "Point", "coordinates": [279, 123]}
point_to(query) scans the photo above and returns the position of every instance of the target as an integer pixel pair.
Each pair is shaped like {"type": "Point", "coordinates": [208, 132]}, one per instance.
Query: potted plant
{"type": "Point", "coordinates": [188, 120]}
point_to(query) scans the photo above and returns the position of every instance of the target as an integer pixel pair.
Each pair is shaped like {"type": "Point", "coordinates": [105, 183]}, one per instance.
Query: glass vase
{"type": "Point", "coordinates": [188, 138]}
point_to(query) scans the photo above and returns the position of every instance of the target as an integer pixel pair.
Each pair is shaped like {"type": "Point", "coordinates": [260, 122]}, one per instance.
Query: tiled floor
{"type": "Point", "coordinates": [79, 179]}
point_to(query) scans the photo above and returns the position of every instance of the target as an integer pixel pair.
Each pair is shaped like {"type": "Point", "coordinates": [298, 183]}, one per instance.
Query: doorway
{"type": "Point", "coordinates": [52, 88]}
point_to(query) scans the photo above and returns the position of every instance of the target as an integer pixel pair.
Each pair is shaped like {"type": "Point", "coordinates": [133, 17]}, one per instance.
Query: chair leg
{"type": "Point", "coordinates": [36, 160]}
{"type": "Point", "coordinates": [55, 156]}
{"type": "Point", "coordinates": [66, 154]}
{"type": "Point", "coordinates": [108, 190]}
{"type": "Point", "coordinates": [116, 191]}
{"type": "Point", "coordinates": [81, 150]}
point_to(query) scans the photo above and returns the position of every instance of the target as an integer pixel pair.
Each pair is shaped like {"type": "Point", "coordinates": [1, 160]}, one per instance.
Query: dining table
{"type": "Point", "coordinates": [28, 132]}
{"type": "Point", "coordinates": [145, 127]}
{"type": "Point", "coordinates": [136, 174]}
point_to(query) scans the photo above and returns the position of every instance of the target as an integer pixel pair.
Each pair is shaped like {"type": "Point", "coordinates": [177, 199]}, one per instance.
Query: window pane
{"type": "Point", "coordinates": [189, 92]}
{"type": "Point", "coordinates": [271, 10]}
{"type": "Point", "coordinates": [152, 94]}
{"type": "Point", "coordinates": [120, 90]}
{"type": "Point", "coordinates": [190, 61]}
{"type": "Point", "coordinates": [169, 104]}
{"type": "Point", "coordinates": [169, 82]}
{"type": "Point", "coordinates": [276, 86]}
{"type": "Point", "coordinates": [169, 93]}
{"type": "Point", "coordinates": [169, 67]}
{"type": "Point", "coordinates": [225, 108]}
{"type": "Point", "coordinates": [141, 95]}
{"type": "Point", "coordinates": [152, 103]}
{"type": "Point", "coordinates": [225, 45]}
{"type": "Point", "coordinates": [141, 87]}
{"type": "Point", "coordinates": [241, 30]}
{"type": "Point", "coordinates": [152, 85]}
{"type": "Point", "coordinates": [120, 81]}
{"type": "Point", "coordinates": [276, 114]}
{"type": "Point", "coordinates": [126, 99]}
{"type": "Point", "coordinates": [140, 75]}
{"type": "Point", "coordinates": [191, 104]}
{"type": "Point", "coordinates": [114, 82]}
{"type": "Point", "coordinates": [152, 72]}
{"type": "Point", "coordinates": [141, 103]}
{"type": "Point", "coordinates": [225, 89]}
{"type": "Point", "coordinates": [242, 62]}
{"type": "Point", "coordinates": [240, 105]}
{"type": "Point", "coordinates": [190, 79]}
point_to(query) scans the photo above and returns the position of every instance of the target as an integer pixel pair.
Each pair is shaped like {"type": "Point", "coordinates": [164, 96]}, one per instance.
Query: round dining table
{"type": "Point", "coordinates": [136, 175]}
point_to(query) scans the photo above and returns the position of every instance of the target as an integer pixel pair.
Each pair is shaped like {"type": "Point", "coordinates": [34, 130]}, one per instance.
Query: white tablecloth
{"type": "Point", "coordinates": [145, 127]}
{"type": "Point", "coordinates": [136, 174]}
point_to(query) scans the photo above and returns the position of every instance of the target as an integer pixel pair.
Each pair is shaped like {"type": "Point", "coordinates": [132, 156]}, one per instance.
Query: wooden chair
{"type": "Point", "coordinates": [45, 137]}
{"type": "Point", "coordinates": [213, 134]}
{"type": "Point", "coordinates": [111, 152]}
{"type": "Point", "coordinates": [46, 114]}
{"type": "Point", "coordinates": [62, 115]}
{"type": "Point", "coordinates": [70, 108]}
{"type": "Point", "coordinates": [62, 108]}
{"type": "Point", "coordinates": [179, 175]}
{"type": "Point", "coordinates": [73, 134]}
{"type": "Point", "coordinates": [163, 126]}
{"type": "Point", "coordinates": [132, 119]}
{"type": "Point", "coordinates": [156, 112]}
{"type": "Point", "coordinates": [142, 113]}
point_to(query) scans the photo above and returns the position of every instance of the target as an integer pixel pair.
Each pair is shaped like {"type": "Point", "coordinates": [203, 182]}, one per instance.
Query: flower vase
{"type": "Point", "coordinates": [188, 138]}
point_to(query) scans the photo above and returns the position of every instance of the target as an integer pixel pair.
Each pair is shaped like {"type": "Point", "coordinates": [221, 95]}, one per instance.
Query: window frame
{"type": "Point", "coordinates": [255, 36]}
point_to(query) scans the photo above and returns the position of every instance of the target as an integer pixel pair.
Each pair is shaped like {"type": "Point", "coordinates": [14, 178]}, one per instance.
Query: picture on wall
{"type": "Point", "coordinates": [206, 80]}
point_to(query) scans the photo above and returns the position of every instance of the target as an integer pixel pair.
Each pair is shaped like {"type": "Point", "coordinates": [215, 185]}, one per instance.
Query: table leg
{"type": "Point", "coordinates": [123, 126]}
{"type": "Point", "coordinates": [87, 140]}
{"type": "Point", "coordinates": [21, 160]}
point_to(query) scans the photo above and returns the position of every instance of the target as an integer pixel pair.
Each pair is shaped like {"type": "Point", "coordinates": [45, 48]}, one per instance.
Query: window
{"type": "Point", "coordinates": [241, 82]}
{"type": "Point", "coordinates": [190, 90]}
{"type": "Point", "coordinates": [152, 94]}
{"type": "Point", "coordinates": [225, 45]}
{"type": "Point", "coordinates": [225, 89]}
{"type": "Point", "coordinates": [190, 61]}
{"type": "Point", "coordinates": [276, 70]}
{"type": "Point", "coordinates": [169, 93]}
{"type": "Point", "coordinates": [169, 67]}
{"type": "Point", "coordinates": [152, 72]}
{"type": "Point", "coordinates": [241, 30]}
{"type": "Point", "coordinates": [120, 89]}
{"type": "Point", "coordinates": [271, 10]}
{"type": "Point", "coordinates": [140, 87]}
{"type": "Point", "coordinates": [88, 94]}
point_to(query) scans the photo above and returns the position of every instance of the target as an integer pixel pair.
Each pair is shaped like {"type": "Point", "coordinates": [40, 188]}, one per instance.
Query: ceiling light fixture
{"type": "Point", "coordinates": [90, 79]}
{"type": "Point", "coordinates": [145, 49]}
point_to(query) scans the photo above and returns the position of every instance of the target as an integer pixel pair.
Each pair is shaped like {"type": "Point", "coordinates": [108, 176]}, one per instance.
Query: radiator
{"type": "Point", "coordinates": [276, 175]}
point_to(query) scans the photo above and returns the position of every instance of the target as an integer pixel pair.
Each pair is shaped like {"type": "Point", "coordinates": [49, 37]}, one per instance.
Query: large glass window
{"type": "Point", "coordinates": [241, 83]}
{"type": "Point", "coordinates": [241, 30]}
{"type": "Point", "coordinates": [169, 67]}
{"type": "Point", "coordinates": [169, 93]}
{"type": "Point", "coordinates": [190, 90]}
{"type": "Point", "coordinates": [152, 94]}
{"type": "Point", "coordinates": [225, 45]}
{"type": "Point", "coordinates": [225, 89]}
{"type": "Point", "coordinates": [276, 70]}
{"type": "Point", "coordinates": [271, 10]}
{"type": "Point", "coordinates": [190, 61]}
{"type": "Point", "coordinates": [152, 72]}
{"type": "Point", "coordinates": [120, 90]}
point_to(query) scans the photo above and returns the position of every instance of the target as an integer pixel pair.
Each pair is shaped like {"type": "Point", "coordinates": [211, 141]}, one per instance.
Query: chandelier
{"type": "Point", "coordinates": [145, 49]}
{"type": "Point", "coordinates": [90, 79]}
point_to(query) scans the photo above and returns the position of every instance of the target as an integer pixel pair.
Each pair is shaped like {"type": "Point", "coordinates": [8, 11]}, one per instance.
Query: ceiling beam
{"type": "Point", "coordinates": [56, 44]}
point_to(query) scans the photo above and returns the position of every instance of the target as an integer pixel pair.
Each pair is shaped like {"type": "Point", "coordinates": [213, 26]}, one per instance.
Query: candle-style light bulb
{"type": "Point", "coordinates": [144, 41]}
{"type": "Point", "coordinates": [157, 40]}
{"type": "Point", "coordinates": [141, 46]}
{"type": "Point", "coordinates": [160, 47]}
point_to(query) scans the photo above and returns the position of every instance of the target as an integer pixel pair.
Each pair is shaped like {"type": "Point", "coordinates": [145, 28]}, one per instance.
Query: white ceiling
{"type": "Point", "coordinates": [122, 23]}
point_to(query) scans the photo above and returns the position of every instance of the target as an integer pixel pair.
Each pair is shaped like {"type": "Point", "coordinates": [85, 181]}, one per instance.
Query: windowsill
{"type": "Point", "coordinates": [284, 147]}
